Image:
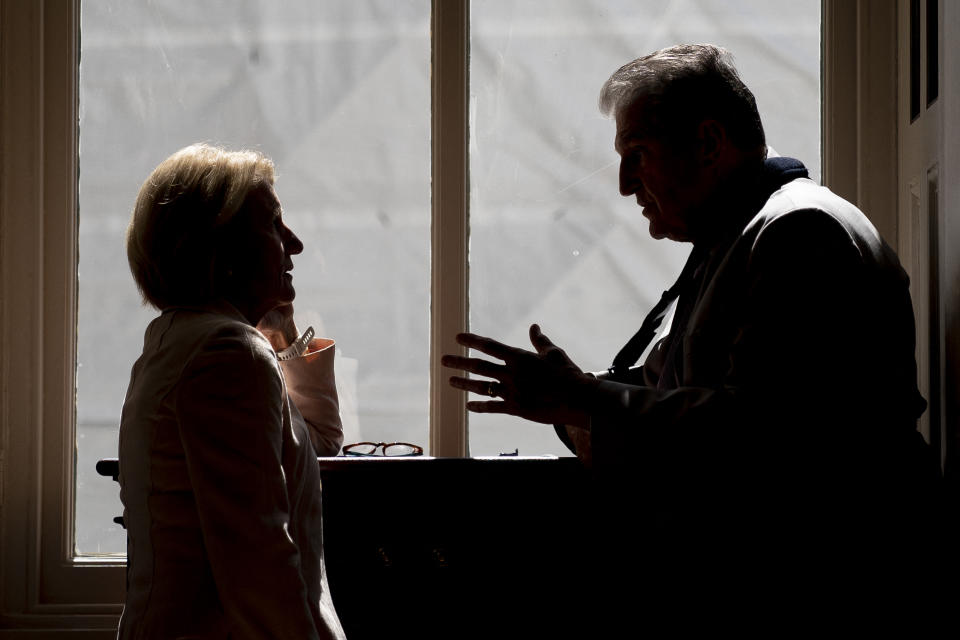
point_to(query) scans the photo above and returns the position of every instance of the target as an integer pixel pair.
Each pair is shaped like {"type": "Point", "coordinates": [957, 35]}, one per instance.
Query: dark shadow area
{"type": "Point", "coordinates": [530, 548]}
{"type": "Point", "coordinates": [456, 547]}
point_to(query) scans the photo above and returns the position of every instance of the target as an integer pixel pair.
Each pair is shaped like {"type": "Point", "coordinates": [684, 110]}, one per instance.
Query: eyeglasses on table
{"type": "Point", "coordinates": [387, 449]}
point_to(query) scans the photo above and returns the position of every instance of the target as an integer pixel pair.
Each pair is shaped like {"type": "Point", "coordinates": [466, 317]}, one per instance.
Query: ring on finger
{"type": "Point", "coordinates": [491, 389]}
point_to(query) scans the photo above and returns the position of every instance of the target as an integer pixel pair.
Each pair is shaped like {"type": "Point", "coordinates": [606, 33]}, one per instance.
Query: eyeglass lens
{"type": "Point", "coordinates": [392, 449]}
{"type": "Point", "coordinates": [400, 449]}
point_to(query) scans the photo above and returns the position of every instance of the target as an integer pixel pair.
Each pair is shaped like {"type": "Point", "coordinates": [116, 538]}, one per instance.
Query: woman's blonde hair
{"type": "Point", "coordinates": [174, 232]}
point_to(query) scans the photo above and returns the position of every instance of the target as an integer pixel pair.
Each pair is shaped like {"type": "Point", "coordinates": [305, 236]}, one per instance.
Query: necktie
{"type": "Point", "coordinates": [777, 172]}
{"type": "Point", "coordinates": [631, 352]}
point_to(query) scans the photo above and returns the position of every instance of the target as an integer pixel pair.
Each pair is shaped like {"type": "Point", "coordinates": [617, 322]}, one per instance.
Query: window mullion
{"type": "Point", "coordinates": [450, 45]}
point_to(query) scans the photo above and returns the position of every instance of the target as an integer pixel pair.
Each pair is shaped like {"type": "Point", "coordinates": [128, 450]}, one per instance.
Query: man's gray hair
{"type": "Point", "coordinates": [682, 86]}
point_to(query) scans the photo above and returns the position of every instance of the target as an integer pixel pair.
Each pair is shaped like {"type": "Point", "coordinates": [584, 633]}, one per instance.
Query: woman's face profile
{"type": "Point", "coordinates": [261, 253]}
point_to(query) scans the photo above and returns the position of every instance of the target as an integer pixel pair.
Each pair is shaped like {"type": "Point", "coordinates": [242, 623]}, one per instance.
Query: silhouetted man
{"type": "Point", "coordinates": [777, 417]}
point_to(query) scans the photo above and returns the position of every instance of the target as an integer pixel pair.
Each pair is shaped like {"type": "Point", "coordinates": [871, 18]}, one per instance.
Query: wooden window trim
{"type": "Point", "coordinates": [43, 586]}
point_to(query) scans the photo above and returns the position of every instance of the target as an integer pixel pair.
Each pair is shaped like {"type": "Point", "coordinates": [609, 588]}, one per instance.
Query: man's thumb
{"type": "Point", "coordinates": [539, 341]}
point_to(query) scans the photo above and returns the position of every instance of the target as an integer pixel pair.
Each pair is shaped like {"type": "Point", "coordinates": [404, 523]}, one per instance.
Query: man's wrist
{"type": "Point", "coordinates": [584, 391]}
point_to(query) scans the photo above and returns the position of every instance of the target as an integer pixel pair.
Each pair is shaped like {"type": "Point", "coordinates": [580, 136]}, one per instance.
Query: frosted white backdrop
{"type": "Point", "coordinates": [337, 93]}
{"type": "Point", "coordinates": [552, 241]}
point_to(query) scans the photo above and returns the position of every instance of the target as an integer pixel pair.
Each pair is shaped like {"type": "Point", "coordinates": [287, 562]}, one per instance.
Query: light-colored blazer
{"type": "Point", "coordinates": [220, 484]}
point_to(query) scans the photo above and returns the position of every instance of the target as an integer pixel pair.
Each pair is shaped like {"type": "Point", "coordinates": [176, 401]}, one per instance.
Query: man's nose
{"type": "Point", "coordinates": [627, 182]}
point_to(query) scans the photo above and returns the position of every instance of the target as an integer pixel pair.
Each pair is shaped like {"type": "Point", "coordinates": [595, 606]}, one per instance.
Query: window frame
{"type": "Point", "coordinates": [450, 221]}
{"type": "Point", "coordinates": [42, 584]}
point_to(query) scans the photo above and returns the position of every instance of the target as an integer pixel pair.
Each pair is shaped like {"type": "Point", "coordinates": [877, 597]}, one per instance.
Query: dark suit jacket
{"type": "Point", "coordinates": [786, 389]}
{"type": "Point", "coordinates": [763, 462]}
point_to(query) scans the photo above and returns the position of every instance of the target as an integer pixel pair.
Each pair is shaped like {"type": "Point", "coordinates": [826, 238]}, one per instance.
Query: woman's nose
{"type": "Point", "coordinates": [293, 243]}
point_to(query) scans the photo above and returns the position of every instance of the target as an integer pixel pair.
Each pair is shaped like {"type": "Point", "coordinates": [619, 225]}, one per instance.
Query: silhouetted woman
{"type": "Point", "coordinates": [218, 470]}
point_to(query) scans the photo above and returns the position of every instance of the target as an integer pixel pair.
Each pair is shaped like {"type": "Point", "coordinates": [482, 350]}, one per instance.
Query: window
{"type": "Point", "coordinates": [306, 86]}
{"type": "Point", "coordinates": [551, 241]}
{"type": "Point", "coordinates": [39, 236]}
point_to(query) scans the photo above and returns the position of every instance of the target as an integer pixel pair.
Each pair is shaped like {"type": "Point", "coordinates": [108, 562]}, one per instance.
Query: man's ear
{"type": "Point", "coordinates": [713, 140]}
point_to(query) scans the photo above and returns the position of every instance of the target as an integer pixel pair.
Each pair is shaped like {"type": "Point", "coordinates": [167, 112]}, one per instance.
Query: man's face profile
{"type": "Point", "coordinates": [663, 176]}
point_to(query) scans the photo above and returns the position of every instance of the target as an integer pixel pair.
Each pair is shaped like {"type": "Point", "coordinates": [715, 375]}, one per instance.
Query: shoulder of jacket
{"type": "Point", "coordinates": [817, 202]}
{"type": "Point", "coordinates": [203, 332]}
{"type": "Point", "coordinates": [201, 324]}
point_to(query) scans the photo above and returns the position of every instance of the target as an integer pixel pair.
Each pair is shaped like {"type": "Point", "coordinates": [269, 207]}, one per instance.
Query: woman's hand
{"type": "Point", "coordinates": [278, 327]}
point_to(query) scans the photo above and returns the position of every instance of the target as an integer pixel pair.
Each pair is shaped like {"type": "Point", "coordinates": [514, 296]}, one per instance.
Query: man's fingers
{"type": "Point", "coordinates": [488, 346]}
{"type": "Point", "coordinates": [474, 365]}
{"type": "Point", "coordinates": [490, 406]}
{"type": "Point", "coordinates": [545, 347]}
{"type": "Point", "coordinates": [480, 387]}
{"type": "Point", "coordinates": [539, 341]}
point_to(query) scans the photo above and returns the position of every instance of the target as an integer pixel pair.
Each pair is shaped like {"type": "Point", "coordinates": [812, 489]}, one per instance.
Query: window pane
{"type": "Point", "coordinates": [552, 241]}
{"type": "Point", "coordinates": [337, 93]}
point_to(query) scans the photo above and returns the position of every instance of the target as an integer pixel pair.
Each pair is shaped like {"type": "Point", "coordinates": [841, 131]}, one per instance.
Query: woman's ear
{"type": "Point", "coordinates": [222, 263]}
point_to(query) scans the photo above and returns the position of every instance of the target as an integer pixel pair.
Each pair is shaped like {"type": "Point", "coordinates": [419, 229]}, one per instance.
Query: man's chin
{"type": "Point", "coordinates": [656, 232]}
{"type": "Point", "coordinates": [660, 232]}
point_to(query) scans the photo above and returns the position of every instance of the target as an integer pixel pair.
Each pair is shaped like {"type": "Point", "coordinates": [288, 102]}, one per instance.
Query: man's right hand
{"type": "Point", "coordinates": [543, 386]}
